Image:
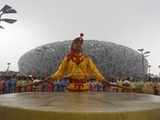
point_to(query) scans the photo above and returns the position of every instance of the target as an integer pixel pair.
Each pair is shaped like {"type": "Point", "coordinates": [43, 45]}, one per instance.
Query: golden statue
{"type": "Point", "coordinates": [77, 67]}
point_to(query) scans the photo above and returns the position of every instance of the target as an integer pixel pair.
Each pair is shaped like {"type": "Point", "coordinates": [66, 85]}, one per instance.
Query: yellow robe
{"type": "Point", "coordinates": [85, 70]}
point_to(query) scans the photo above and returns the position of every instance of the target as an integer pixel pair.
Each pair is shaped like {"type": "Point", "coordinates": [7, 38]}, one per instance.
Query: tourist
{"type": "Point", "coordinates": [148, 87]}
{"type": "Point", "coordinates": [120, 83]}
{"type": "Point", "coordinates": [37, 88]}
{"type": "Point", "coordinates": [50, 86]}
{"type": "Point", "coordinates": [2, 85]}
{"type": "Point", "coordinates": [113, 88]}
{"type": "Point", "coordinates": [99, 86]}
{"type": "Point", "coordinates": [7, 88]}
{"type": "Point", "coordinates": [29, 87]}
{"type": "Point", "coordinates": [91, 85]}
{"type": "Point", "coordinates": [57, 86]}
{"type": "Point", "coordinates": [13, 84]}
{"type": "Point", "coordinates": [18, 84]}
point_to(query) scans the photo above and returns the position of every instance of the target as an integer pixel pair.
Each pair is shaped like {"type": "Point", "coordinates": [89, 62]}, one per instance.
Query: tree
{"type": "Point", "coordinates": [7, 10]}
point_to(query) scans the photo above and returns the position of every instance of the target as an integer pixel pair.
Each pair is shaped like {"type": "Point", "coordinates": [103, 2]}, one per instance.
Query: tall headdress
{"type": "Point", "coordinates": [78, 40]}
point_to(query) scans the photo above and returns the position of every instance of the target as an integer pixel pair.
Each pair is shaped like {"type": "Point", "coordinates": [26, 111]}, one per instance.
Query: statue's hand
{"type": "Point", "coordinates": [105, 82]}
{"type": "Point", "coordinates": [36, 83]}
{"type": "Point", "coordinates": [47, 78]}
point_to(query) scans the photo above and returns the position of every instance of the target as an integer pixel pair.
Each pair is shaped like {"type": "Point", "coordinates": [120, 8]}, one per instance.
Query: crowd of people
{"type": "Point", "coordinates": [15, 84]}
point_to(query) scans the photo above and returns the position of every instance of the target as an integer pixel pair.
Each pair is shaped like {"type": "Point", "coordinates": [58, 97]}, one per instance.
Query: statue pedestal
{"type": "Point", "coordinates": [79, 106]}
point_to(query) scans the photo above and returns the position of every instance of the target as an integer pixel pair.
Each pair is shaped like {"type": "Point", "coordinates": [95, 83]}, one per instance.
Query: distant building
{"type": "Point", "coordinates": [112, 59]}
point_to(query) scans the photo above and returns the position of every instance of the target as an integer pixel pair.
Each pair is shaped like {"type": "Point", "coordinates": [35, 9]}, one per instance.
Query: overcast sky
{"type": "Point", "coordinates": [133, 23]}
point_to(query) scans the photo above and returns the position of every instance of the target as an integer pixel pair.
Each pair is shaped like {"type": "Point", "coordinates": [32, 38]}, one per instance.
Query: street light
{"type": "Point", "coordinates": [159, 72]}
{"type": "Point", "coordinates": [149, 71]}
{"type": "Point", "coordinates": [8, 65]}
{"type": "Point", "coordinates": [143, 54]}
{"type": "Point", "coordinates": [7, 10]}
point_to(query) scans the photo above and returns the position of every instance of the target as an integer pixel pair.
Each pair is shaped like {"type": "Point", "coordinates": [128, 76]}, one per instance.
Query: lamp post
{"type": "Point", "coordinates": [7, 10]}
{"type": "Point", "coordinates": [143, 54]}
{"type": "Point", "coordinates": [8, 65]}
{"type": "Point", "coordinates": [159, 72]}
{"type": "Point", "coordinates": [149, 71]}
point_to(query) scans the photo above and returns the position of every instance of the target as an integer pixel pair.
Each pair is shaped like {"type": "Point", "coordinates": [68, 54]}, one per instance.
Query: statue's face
{"type": "Point", "coordinates": [77, 47]}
